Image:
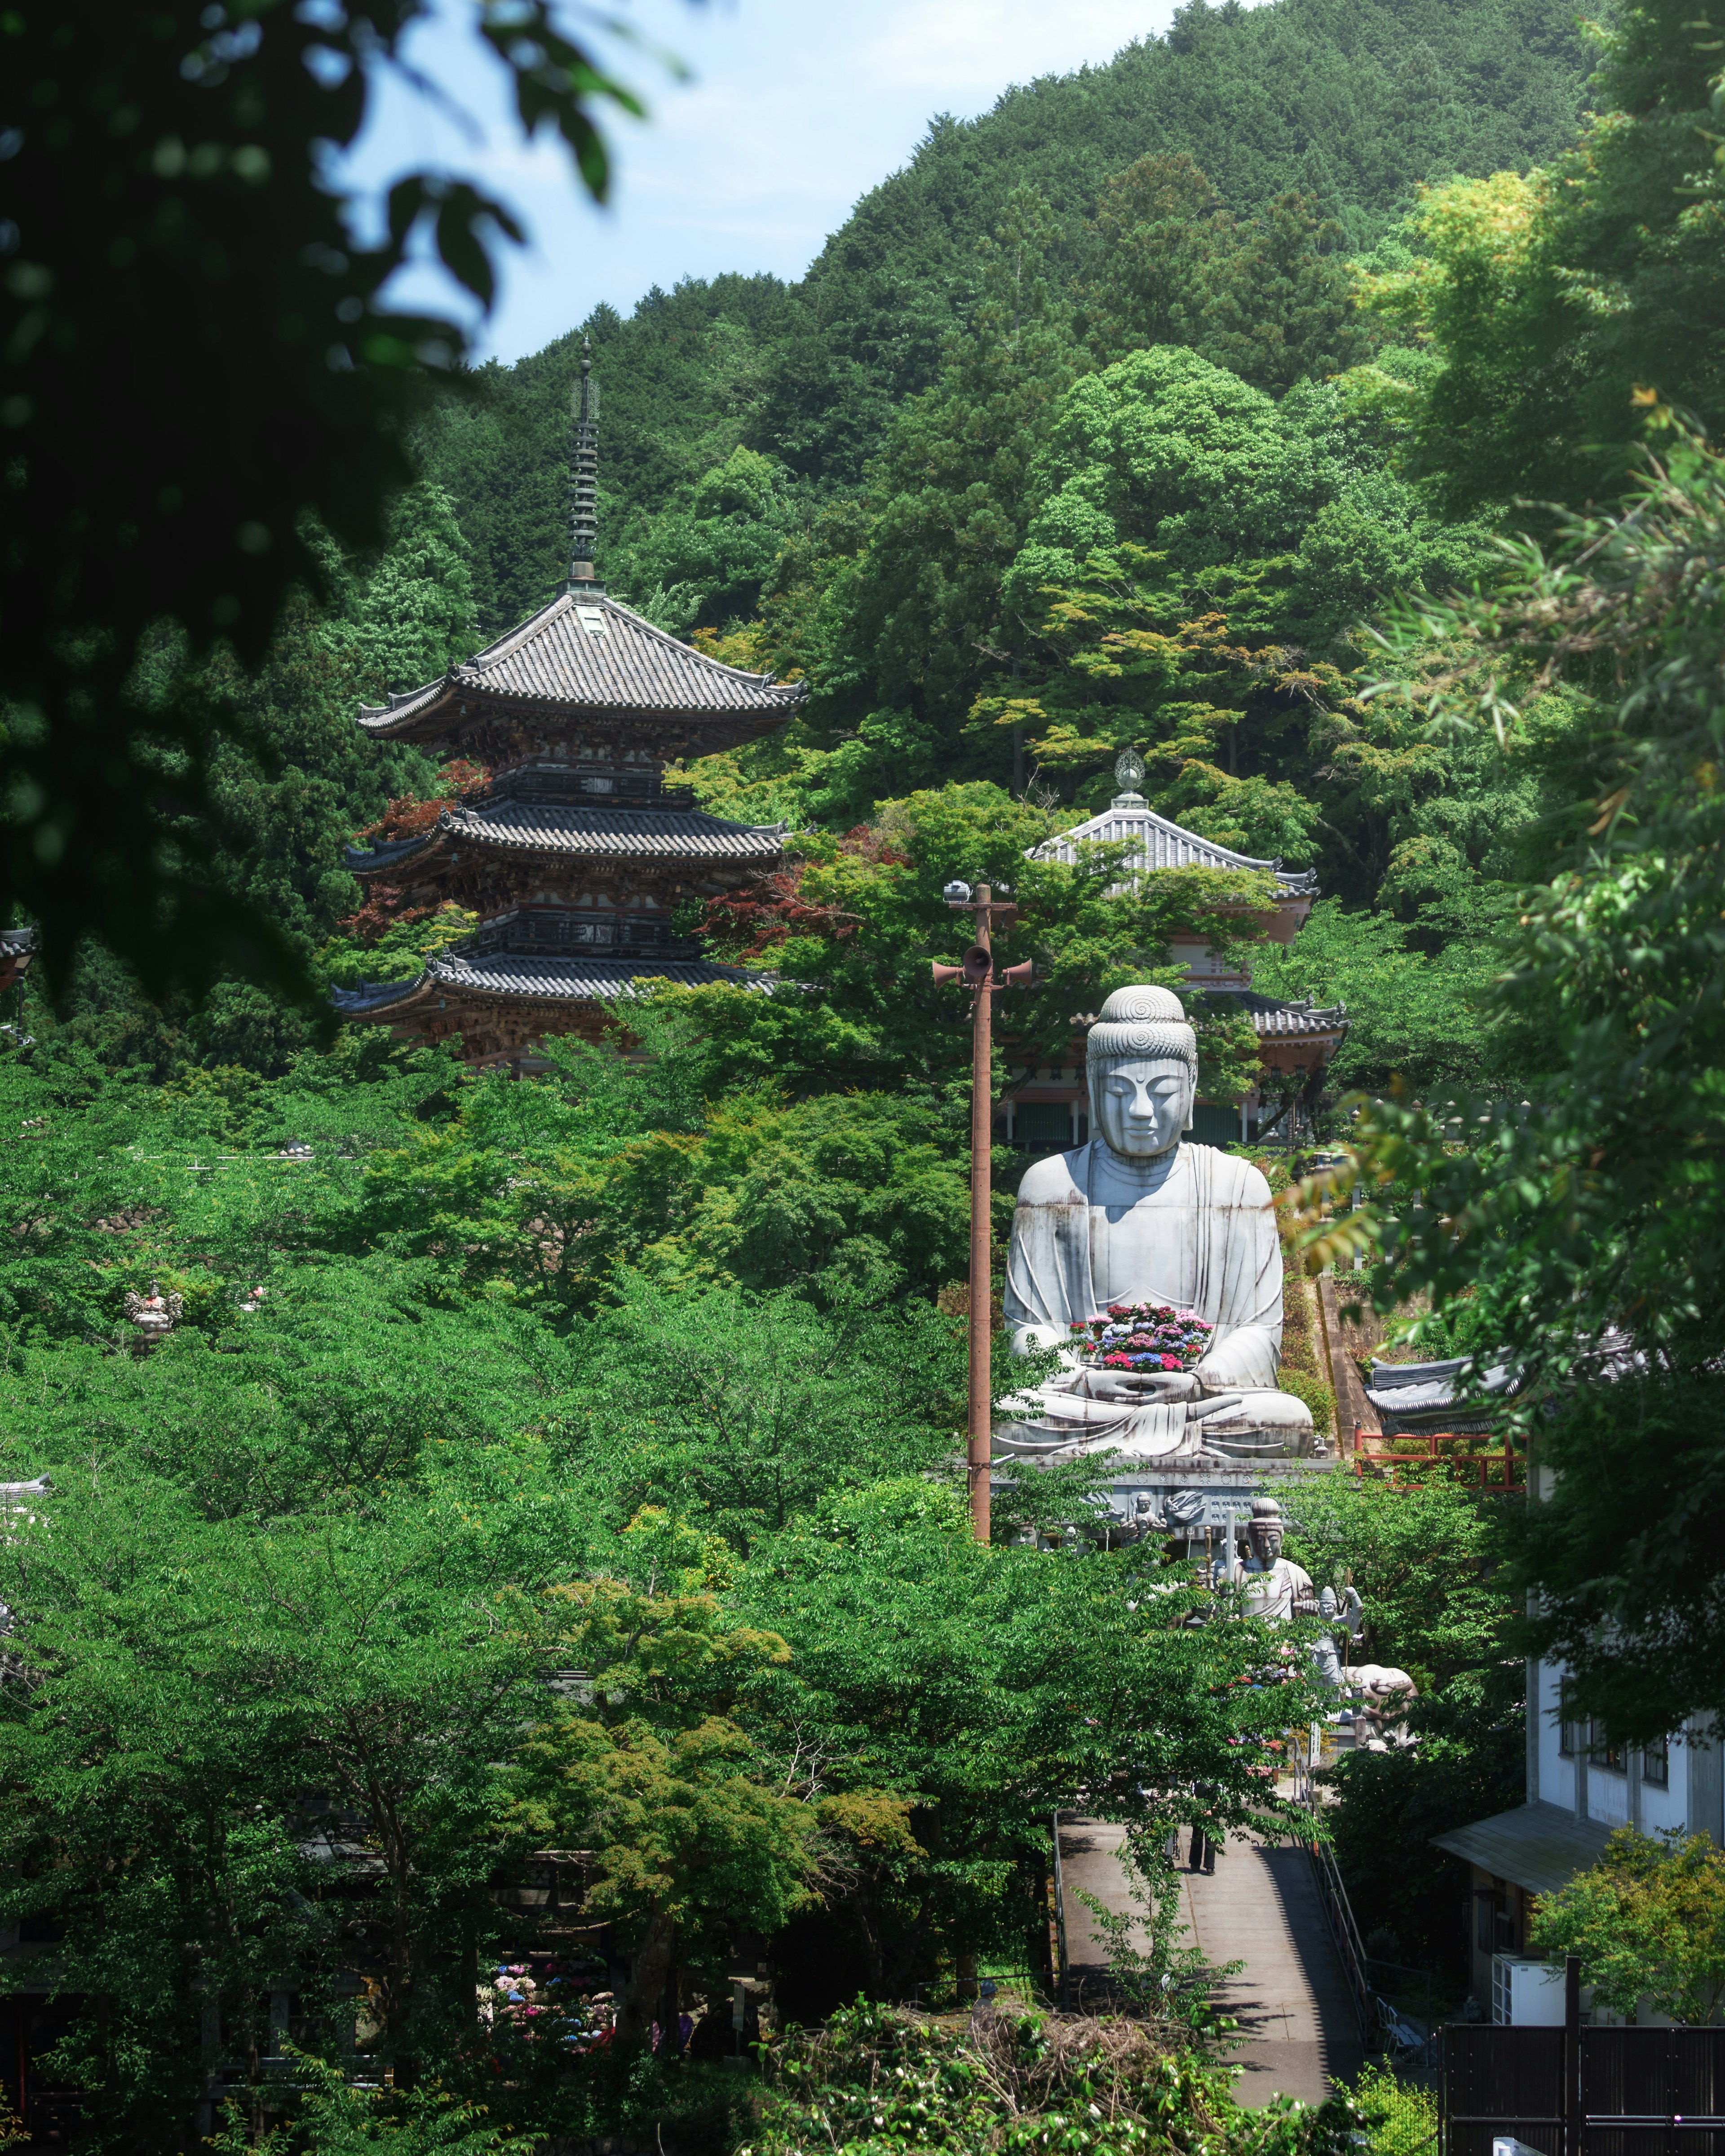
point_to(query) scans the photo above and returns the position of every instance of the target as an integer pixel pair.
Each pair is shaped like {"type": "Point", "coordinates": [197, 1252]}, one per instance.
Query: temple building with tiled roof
{"type": "Point", "coordinates": [1048, 1107]}
{"type": "Point", "coordinates": [583, 866]}
{"type": "Point", "coordinates": [18, 947]}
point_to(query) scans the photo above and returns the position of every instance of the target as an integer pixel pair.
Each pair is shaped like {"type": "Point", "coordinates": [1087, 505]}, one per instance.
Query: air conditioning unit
{"type": "Point", "coordinates": [1526, 1993]}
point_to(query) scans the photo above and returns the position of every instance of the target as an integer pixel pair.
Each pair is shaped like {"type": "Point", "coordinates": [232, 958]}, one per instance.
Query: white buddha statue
{"type": "Point", "coordinates": [1137, 1216]}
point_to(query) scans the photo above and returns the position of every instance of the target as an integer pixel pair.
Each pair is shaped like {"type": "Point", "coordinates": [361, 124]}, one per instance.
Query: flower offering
{"type": "Point", "coordinates": [1142, 1336]}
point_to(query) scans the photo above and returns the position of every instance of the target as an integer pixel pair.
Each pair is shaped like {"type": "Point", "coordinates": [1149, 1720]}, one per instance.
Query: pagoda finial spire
{"type": "Point", "coordinates": [584, 479]}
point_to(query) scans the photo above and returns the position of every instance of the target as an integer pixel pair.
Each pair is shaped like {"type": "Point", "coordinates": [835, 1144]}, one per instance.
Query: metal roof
{"type": "Point", "coordinates": [537, 980]}
{"type": "Point", "coordinates": [588, 650]}
{"type": "Point", "coordinates": [1538, 1847]}
{"type": "Point", "coordinates": [1409, 1389]}
{"type": "Point", "coordinates": [533, 827]}
{"type": "Point", "coordinates": [1162, 844]}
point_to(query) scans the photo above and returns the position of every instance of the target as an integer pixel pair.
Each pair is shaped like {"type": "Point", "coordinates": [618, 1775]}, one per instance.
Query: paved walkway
{"type": "Point", "coordinates": [1297, 2028]}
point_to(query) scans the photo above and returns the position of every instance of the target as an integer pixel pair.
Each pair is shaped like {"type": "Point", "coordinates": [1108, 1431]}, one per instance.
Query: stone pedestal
{"type": "Point", "coordinates": [1207, 1508]}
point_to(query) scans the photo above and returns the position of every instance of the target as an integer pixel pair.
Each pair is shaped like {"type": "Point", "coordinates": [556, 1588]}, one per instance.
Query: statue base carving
{"type": "Point", "coordinates": [1205, 1505]}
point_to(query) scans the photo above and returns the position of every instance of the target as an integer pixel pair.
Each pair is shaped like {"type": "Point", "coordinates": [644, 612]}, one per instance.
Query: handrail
{"type": "Point", "coordinates": [1063, 1974]}
{"type": "Point", "coordinates": [1339, 1910]}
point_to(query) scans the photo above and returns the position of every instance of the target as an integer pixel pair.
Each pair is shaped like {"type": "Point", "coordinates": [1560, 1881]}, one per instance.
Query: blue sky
{"type": "Point", "coordinates": [794, 108]}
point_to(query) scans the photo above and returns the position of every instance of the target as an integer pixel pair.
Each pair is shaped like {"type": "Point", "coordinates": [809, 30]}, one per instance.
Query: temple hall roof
{"type": "Point", "coordinates": [558, 979]}
{"type": "Point", "coordinates": [1273, 1019]}
{"type": "Point", "coordinates": [509, 825]}
{"type": "Point", "coordinates": [1162, 844]}
{"type": "Point", "coordinates": [589, 650]}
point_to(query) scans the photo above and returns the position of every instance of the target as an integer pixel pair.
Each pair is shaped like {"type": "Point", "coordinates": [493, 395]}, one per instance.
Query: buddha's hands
{"type": "Point", "coordinates": [1172, 1392]}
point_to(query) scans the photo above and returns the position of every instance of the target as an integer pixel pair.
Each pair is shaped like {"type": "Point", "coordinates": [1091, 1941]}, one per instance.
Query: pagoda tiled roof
{"type": "Point", "coordinates": [525, 979]}
{"type": "Point", "coordinates": [539, 827]}
{"type": "Point", "coordinates": [1160, 843]}
{"type": "Point", "coordinates": [588, 650]}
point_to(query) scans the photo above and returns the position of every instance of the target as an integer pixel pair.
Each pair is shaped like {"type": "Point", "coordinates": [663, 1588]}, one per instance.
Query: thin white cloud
{"type": "Point", "coordinates": [795, 112]}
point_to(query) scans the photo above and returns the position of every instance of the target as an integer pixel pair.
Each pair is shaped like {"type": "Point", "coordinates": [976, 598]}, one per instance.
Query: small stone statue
{"type": "Point", "coordinates": [1383, 1692]}
{"type": "Point", "coordinates": [1137, 1216]}
{"type": "Point", "coordinates": [153, 1314]}
{"type": "Point", "coordinates": [1326, 1659]}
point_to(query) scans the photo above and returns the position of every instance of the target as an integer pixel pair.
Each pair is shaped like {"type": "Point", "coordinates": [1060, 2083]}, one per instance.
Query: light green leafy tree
{"type": "Point", "coordinates": [1555, 297]}
{"type": "Point", "coordinates": [1648, 1921]}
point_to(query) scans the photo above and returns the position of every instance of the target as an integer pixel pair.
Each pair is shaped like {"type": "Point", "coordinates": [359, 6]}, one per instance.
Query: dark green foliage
{"type": "Point", "coordinates": [1427, 1561]}
{"type": "Point", "coordinates": [304, 1559]}
{"type": "Point", "coordinates": [1389, 1805]}
{"type": "Point", "coordinates": [1282, 311]}
{"type": "Point", "coordinates": [676, 383]}
{"type": "Point", "coordinates": [1350, 105]}
{"type": "Point", "coordinates": [1345, 107]}
{"type": "Point", "coordinates": [168, 199]}
{"type": "Point", "coordinates": [1653, 1451]}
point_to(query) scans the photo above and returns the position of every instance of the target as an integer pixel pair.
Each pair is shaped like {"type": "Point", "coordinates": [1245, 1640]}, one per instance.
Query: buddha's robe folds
{"type": "Point", "coordinates": [1194, 1229]}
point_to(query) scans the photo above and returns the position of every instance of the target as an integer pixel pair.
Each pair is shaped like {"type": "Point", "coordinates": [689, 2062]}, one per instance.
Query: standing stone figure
{"type": "Point", "coordinates": [1138, 1216]}
{"type": "Point", "coordinates": [1325, 1656]}
{"type": "Point", "coordinates": [1274, 1585]}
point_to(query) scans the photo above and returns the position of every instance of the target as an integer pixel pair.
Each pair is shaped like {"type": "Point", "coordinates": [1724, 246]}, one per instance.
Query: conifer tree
{"type": "Point", "coordinates": [1282, 311]}
{"type": "Point", "coordinates": [1163, 233]}
{"type": "Point", "coordinates": [955, 493]}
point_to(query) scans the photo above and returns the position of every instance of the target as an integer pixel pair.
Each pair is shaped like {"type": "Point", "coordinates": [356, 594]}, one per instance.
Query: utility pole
{"type": "Point", "coordinates": [977, 974]}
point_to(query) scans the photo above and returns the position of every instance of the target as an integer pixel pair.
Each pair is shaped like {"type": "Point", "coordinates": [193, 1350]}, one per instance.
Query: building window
{"type": "Point", "coordinates": [1656, 1764]}
{"type": "Point", "coordinates": [1495, 1929]}
{"type": "Point", "coordinates": [1572, 1730]}
{"type": "Point", "coordinates": [1602, 1751]}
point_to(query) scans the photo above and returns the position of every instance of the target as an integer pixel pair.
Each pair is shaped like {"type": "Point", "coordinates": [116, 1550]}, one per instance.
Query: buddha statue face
{"type": "Point", "coordinates": [1141, 1104]}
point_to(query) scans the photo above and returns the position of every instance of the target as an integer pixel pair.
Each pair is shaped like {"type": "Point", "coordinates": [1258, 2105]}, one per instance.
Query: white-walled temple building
{"type": "Point", "coordinates": [1581, 1786]}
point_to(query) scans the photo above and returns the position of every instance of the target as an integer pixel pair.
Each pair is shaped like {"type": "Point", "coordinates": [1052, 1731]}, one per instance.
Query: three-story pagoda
{"type": "Point", "coordinates": [577, 856]}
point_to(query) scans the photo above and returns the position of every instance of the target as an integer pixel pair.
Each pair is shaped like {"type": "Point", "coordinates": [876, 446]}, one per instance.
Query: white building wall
{"type": "Point", "coordinates": [1620, 1797]}
{"type": "Point", "coordinates": [1557, 1775]}
{"type": "Point", "coordinates": [1607, 1795]}
{"type": "Point", "coordinates": [1669, 1807]}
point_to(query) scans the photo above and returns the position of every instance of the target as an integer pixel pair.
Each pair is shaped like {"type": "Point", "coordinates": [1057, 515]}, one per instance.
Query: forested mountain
{"type": "Point", "coordinates": [1076, 435]}
{"type": "Point", "coordinates": [1350, 105]}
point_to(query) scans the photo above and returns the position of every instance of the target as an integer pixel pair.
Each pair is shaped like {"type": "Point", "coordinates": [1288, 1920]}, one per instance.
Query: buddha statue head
{"type": "Point", "coordinates": [1264, 1530]}
{"type": "Point", "coordinates": [1141, 1065]}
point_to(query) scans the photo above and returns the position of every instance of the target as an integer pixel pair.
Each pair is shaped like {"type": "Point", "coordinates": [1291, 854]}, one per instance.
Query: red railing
{"type": "Point", "coordinates": [1502, 1469]}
